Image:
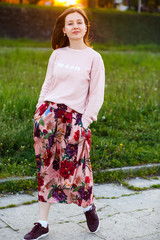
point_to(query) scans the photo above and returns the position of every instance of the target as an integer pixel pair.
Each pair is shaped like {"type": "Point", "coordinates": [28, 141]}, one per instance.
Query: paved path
{"type": "Point", "coordinates": [123, 213]}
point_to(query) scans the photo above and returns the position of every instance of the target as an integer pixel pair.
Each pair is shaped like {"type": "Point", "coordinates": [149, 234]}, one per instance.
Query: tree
{"type": "Point", "coordinates": [33, 1]}
{"type": "Point", "coordinates": [92, 3]}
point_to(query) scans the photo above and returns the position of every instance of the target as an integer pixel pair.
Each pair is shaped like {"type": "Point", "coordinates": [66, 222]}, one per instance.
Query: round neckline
{"type": "Point", "coordinates": [78, 50]}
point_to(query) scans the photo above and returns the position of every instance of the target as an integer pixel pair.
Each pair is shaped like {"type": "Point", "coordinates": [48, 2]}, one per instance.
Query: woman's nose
{"type": "Point", "coordinates": [75, 25]}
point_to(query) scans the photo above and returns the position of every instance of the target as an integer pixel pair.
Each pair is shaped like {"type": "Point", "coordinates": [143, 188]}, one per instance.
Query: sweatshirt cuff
{"type": "Point", "coordinates": [85, 122]}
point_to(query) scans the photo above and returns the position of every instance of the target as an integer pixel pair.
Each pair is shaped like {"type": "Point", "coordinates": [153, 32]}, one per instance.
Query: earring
{"type": "Point", "coordinates": [64, 34]}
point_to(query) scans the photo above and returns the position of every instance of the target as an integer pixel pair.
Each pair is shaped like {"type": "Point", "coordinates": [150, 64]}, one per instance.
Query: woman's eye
{"type": "Point", "coordinates": [72, 23]}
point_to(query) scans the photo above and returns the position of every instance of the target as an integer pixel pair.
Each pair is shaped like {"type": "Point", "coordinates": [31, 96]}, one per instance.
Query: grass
{"type": "Point", "coordinates": [28, 43]}
{"type": "Point", "coordinates": [24, 42]}
{"type": "Point", "coordinates": [14, 186]}
{"type": "Point", "coordinates": [127, 131]}
{"type": "Point", "coordinates": [143, 188]}
{"type": "Point", "coordinates": [17, 205]}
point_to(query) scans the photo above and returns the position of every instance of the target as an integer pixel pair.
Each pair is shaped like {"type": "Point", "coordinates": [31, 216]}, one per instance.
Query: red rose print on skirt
{"type": "Point", "coordinates": [40, 181]}
{"type": "Point", "coordinates": [67, 169]}
{"type": "Point", "coordinates": [76, 135]}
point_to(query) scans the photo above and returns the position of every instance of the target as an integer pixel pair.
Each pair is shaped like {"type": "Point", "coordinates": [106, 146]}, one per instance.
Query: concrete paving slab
{"type": "Point", "coordinates": [8, 199]}
{"type": "Point", "coordinates": [129, 226]}
{"type": "Point", "coordinates": [2, 224]}
{"type": "Point", "coordinates": [73, 236]}
{"type": "Point", "coordinates": [110, 190]}
{"type": "Point", "coordinates": [153, 236]}
{"type": "Point", "coordinates": [143, 200]}
{"type": "Point", "coordinates": [140, 182]}
{"type": "Point", "coordinates": [9, 234]}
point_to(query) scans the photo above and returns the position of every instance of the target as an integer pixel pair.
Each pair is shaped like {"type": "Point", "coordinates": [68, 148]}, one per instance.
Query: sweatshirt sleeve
{"type": "Point", "coordinates": [96, 91]}
{"type": "Point", "coordinates": [47, 81]}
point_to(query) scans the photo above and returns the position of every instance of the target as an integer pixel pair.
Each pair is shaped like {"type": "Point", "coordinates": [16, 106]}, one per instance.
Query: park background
{"type": "Point", "coordinates": [127, 132]}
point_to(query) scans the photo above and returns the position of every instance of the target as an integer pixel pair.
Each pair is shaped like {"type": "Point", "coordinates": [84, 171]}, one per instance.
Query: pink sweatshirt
{"type": "Point", "coordinates": [75, 78]}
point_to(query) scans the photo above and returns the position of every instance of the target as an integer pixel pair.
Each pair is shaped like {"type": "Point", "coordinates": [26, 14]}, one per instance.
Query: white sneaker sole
{"type": "Point", "coordinates": [39, 237]}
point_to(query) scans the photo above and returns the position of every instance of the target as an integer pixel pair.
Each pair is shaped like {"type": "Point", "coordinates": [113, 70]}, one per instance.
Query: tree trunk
{"type": "Point", "coordinates": [139, 6]}
{"type": "Point", "coordinates": [91, 3]}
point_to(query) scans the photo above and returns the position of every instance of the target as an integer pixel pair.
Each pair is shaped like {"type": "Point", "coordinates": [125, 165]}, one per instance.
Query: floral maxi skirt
{"type": "Point", "coordinates": [62, 147]}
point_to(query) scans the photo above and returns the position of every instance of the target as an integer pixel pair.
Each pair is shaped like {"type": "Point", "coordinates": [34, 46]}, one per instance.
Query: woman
{"type": "Point", "coordinates": [70, 99]}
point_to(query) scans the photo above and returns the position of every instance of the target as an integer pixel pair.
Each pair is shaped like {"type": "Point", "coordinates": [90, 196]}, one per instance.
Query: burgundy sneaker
{"type": "Point", "coordinates": [37, 232]}
{"type": "Point", "coordinates": [92, 219]}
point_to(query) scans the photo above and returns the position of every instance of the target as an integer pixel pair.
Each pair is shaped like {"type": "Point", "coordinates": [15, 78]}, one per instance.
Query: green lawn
{"type": "Point", "coordinates": [25, 42]}
{"type": "Point", "coordinates": [128, 128]}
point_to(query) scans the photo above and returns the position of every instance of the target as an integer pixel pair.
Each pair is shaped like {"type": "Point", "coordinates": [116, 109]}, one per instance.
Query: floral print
{"type": "Point", "coordinates": [67, 169]}
{"type": "Point", "coordinates": [62, 147]}
{"type": "Point", "coordinates": [85, 194]}
{"type": "Point", "coordinates": [58, 194]}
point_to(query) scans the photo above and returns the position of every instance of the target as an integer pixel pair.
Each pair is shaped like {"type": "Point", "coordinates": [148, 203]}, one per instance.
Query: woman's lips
{"type": "Point", "coordinates": [75, 32]}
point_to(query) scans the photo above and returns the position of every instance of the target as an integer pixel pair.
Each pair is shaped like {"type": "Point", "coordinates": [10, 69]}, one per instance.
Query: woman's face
{"type": "Point", "coordinates": [75, 27]}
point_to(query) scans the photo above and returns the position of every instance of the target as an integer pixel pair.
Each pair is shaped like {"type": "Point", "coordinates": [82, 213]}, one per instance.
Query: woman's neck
{"type": "Point", "coordinates": [77, 45]}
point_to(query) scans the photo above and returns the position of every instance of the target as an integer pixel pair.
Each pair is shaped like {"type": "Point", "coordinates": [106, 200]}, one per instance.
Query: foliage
{"type": "Point", "coordinates": [125, 28]}
{"type": "Point", "coordinates": [108, 26]}
{"type": "Point", "coordinates": [121, 176]}
{"type": "Point", "coordinates": [18, 186]}
{"type": "Point", "coordinates": [33, 1]}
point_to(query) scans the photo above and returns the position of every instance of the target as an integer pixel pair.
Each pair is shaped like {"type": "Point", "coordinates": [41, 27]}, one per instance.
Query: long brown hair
{"type": "Point", "coordinates": [58, 38]}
